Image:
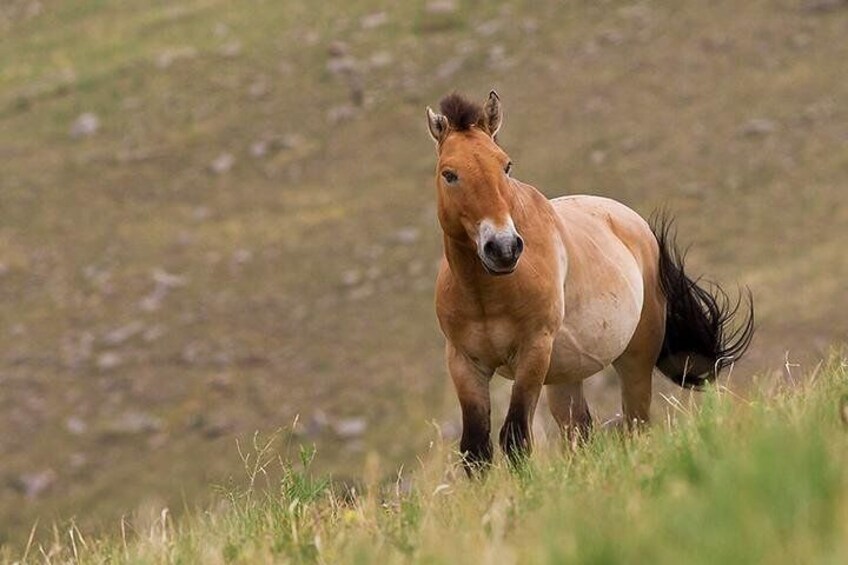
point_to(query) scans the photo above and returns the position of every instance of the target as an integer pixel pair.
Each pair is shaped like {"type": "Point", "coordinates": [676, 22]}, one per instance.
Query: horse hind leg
{"type": "Point", "coordinates": [570, 411]}
{"type": "Point", "coordinates": [635, 376]}
{"type": "Point", "coordinates": [635, 366]}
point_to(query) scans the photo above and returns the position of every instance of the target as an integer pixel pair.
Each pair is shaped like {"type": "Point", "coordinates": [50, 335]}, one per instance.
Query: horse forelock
{"type": "Point", "coordinates": [461, 113]}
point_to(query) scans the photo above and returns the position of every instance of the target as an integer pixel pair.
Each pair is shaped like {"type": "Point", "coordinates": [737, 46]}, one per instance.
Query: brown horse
{"type": "Point", "coordinates": [549, 292]}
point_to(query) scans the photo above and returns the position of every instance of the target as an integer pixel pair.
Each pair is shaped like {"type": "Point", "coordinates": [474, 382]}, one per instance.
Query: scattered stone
{"type": "Point", "coordinates": [423, 285]}
{"type": "Point", "coordinates": [167, 58]}
{"type": "Point", "coordinates": [109, 360]}
{"type": "Point", "coordinates": [375, 20]}
{"type": "Point", "coordinates": [222, 163]}
{"type": "Point", "coordinates": [242, 256]}
{"type": "Point", "coordinates": [341, 113]}
{"type": "Point", "coordinates": [354, 446]}
{"type": "Point", "coordinates": [163, 283]}
{"type": "Point", "coordinates": [441, 7]}
{"type": "Point", "coordinates": [22, 9]}
{"type": "Point", "coordinates": [380, 59]}
{"type": "Point", "coordinates": [259, 148]}
{"type": "Point", "coordinates": [801, 40]}
{"type": "Point", "coordinates": [450, 430]}
{"type": "Point", "coordinates": [201, 213]}
{"type": "Point", "coordinates": [259, 88]}
{"type": "Point", "coordinates": [157, 440]}
{"type": "Point", "coordinates": [631, 143]}
{"type": "Point", "coordinates": [231, 49]}
{"type": "Point", "coordinates": [341, 65]}
{"type": "Point", "coordinates": [77, 460]}
{"type": "Point", "coordinates": [285, 142]}
{"type": "Point", "coordinates": [344, 65]}
{"type": "Point", "coordinates": [153, 333]}
{"type": "Point", "coordinates": [123, 333]}
{"type": "Point", "coordinates": [692, 189]}
{"type": "Point", "coordinates": [716, 43]}
{"type": "Point", "coordinates": [357, 89]}
{"type": "Point", "coordinates": [530, 26]}
{"type": "Point", "coordinates": [467, 47]}
{"type": "Point", "coordinates": [408, 235]}
{"type": "Point", "coordinates": [415, 268]}
{"type": "Point", "coordinates": [376, 251]}
{"type": "Point", "coordinates": [76, 426]}
{"type": "Point", "coordinates": [758, 127]}
{"type": "Point", "coordinates": [450, 68]}
{"type": "Point", "coordinates": [314, 426]}
{"type": "Point", "coordinates": [132, 103]}
{"type": "Point", "coordinates": [361, 292]}
{"type": "Point", "coordinates": [222, 383]}
{"type": "Point", "coordinates": [351, 277]}
{"type": "Point", "coordinates": [488, 28]}
{"type": "Point", "coordinates": [193, 353]}
{"type": "Point", "coordinates": [338, 49]}
{"type": "Point", "coordinates": [167, 279]}
{"type": "Point", "coordinates": [134, 423]}
{"type": "Point", "coordinates": [824, 6]}
{"type": "Point", "coordinates": [497, 57]}
{"type": "Point", "coordinates": [611, 36]}
{"type": "Point", "coordinates": [349, 428]}
{"type": "Point", "coordinates": [221, 30]}
{"type": "Point", "coordinates": [597, 157]}
{"type": "Point", "coordinates": [216, 427]}
{"type": "Point", "coordinates": [184, 238]}
{"type": "Point", "coordinates": [590, 47]}
{"type": "Point", "coordinates": [75, 352]}
{"type": "Point", "coordinates": [33, 485]}
{"type": "Point", "coordinates": [85, 125]}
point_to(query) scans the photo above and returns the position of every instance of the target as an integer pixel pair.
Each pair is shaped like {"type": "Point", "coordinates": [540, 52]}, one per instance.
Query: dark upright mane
{"type": "Point", "coordinates": [461, 112]}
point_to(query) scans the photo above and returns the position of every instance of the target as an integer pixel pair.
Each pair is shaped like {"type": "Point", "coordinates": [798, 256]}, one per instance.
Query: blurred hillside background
{"type": "Point", "coordinates": [217, 216]}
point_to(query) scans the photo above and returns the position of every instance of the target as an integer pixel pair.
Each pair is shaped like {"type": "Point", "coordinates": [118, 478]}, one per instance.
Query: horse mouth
{"type": "Point", "coordinates": [498, 271]}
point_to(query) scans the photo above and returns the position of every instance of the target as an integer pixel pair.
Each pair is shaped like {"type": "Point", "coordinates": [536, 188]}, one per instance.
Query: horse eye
{"type": "Point", "coordinates": [508, 168]}
{"type": "Point", "coordinates": [450, 177]}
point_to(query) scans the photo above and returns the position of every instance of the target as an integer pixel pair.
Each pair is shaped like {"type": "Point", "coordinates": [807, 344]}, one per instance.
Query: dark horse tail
{"type": "Point", "coordinates": [699, 340]}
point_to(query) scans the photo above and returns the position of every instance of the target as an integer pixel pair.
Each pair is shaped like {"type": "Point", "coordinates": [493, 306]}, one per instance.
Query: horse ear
{"type": "Point", "coordinates": [438, 125]}
{"type": "Point", "coordinates": [492, 113]}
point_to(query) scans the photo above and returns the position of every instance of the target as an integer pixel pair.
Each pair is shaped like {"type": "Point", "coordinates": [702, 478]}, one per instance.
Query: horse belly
{"type": "Point", "coordinates": [596, 332]}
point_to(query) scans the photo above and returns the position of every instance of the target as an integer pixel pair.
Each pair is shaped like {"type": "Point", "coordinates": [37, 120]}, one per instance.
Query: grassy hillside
{"type": "Point", "coordinates": [217, 216]}
{"type": "Point", "coordinates": [760, 480]}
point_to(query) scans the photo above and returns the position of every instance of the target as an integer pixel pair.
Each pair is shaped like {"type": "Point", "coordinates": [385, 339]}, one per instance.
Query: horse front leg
{"type": "Point", "coordinates": [531, 367]}
{"type": "Point", "coordinates": [472, 388]}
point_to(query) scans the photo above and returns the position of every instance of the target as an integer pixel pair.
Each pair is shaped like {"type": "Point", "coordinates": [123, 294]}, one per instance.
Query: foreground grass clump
{"type": "Point", "coordinates": [728, 481]}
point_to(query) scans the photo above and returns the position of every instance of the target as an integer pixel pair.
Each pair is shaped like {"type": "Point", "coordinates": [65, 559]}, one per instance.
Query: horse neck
{"type": "Point", "coordinates": [462, 259]}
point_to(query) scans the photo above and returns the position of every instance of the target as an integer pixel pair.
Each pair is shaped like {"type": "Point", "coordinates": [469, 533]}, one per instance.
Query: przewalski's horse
{"type": "Point", "coordinates": [549, 292]}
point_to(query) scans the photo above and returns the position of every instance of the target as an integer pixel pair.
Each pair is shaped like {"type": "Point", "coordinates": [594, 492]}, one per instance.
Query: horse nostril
{"type": "Point", "coordinates": [490, 249]}
{"type": "Point", "coordinates": [519, 245]}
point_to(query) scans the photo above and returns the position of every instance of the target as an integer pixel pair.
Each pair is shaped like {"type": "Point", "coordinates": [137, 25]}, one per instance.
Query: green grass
{"type": "Point", "coordinates": [723, 480]}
